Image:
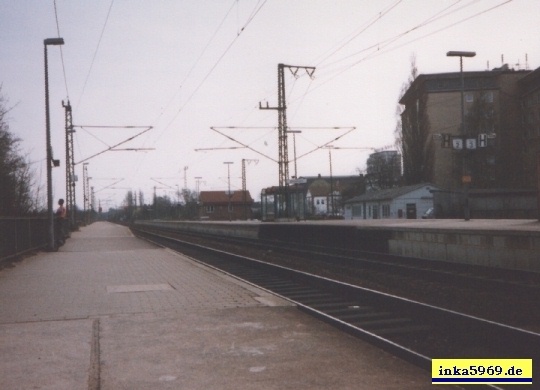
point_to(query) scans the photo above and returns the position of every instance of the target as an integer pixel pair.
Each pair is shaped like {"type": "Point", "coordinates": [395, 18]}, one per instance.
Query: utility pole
{"type": "Point", "coordinates": [50, 161]}
{"type": "Point", "coordinates": [244, 184]}
{"type": "Point", "coordinates": [228, 163]}
{"type": "Point", "coordinates": [85, 192]}
{"type": "Point", "coordinates": [331, 181]}
{"type": "Point", "coordinates": [70, 167]}
{"type": "Point", "coordinates": [283, 161]}
{"type": "Point", "coordinates": [198, 180]}
{"type": "Point", "coordinates": [185, 177]}
{"type": "Point", "coordinates": [466, 176]}
{"type": "Point", "coordinates": [92, 201]}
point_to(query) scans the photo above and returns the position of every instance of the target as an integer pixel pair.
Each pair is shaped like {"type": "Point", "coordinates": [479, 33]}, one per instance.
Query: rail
{"type": "Point", "coordinates": [409, 329]}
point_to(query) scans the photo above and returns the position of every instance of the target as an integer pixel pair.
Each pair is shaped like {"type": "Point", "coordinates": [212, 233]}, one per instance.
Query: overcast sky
{"type": "Point", "coordinates": [185, 66]}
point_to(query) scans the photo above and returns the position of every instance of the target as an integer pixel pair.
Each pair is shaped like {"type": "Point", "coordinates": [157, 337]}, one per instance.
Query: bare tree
{"type": "Point", "coordinates": [413, 135]}
{"type": "Point", "coordinates": [383, 170]}
{"type": "Point", "coordinates": [15, 175]}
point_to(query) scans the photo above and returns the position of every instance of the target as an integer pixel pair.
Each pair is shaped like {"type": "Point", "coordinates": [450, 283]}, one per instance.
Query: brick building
{"type": "Point", "coordinates": [492, 111]}
{"type": "Point", "coordinates": [530, 103]}
{"type": "Point", "coordinates": [219, 206]}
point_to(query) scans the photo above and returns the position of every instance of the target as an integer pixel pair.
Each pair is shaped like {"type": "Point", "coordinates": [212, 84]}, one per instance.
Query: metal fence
{"type": "Point", "coordinates": [19, 235]}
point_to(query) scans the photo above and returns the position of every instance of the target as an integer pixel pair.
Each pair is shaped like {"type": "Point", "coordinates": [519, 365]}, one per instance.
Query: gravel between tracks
{"type": "Point", "coordinates": [506, 305]}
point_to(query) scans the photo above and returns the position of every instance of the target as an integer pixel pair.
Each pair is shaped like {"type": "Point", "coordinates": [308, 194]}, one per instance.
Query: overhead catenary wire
{"type": "Point", "coordinates": [61, 51]}
{"type": "Point", "coordinates": [383, 44]}
{"type": "Point", "coordinates": [387, 42]}
{"type": "Point", "coordinates": [114, 146]}
{"type": "Point", "coordinates": [309, 90]}
{"type": "Point", "coordinates": [254, 13]}
{"type": "Point", "coordinates": [327, 143]}
{"type": "Point", "coordinates": [242, 144]}
{"type": "Point", "coordinates": [196, 62]}
{"type": "Point", "coordinates": [211, 70]}
{"type": "Point", "coordinates": [95, 54]}
{"type": "Point", "coordinates": [370, 23]}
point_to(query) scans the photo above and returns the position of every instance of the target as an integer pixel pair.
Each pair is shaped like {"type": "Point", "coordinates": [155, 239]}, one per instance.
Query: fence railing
{"type": "Point", "coordinates": [19, 235]}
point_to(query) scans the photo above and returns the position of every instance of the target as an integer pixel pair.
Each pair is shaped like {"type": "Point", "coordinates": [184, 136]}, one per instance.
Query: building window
{"type": "Point", "coordinates": [489, 97]}
{"type": "Point", "coordinates": [469, 98]}
{"type": "Point", "coordinates": [386, 210]}
{"type": "Point", "coordinates": [209, 209]}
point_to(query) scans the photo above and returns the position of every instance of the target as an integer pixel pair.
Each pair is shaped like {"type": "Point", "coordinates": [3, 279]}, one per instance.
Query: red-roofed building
{"type": "Point", "coordinates": [219, 206]}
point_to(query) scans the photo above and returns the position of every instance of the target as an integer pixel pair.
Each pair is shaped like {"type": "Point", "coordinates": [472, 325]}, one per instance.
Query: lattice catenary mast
{"type": "Point", "coordinates": [70, 166]}
{"type": "Point", "coordinates": [281, 108]}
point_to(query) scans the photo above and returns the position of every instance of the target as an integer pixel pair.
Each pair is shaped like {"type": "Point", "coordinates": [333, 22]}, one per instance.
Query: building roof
{"type": "Point", "coordinates": [531, 82]}
{"type": "Point", "coordinates": [338, 182]}
{"type": "Point", "coordinates": [390, 193]}
{"type": "Point", "coordinates": [221, 197]}
{"type": "Point", "coordinates": [445, 82]}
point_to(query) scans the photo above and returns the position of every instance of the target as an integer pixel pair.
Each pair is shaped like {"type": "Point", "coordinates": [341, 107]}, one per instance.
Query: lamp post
{"type": "Point", "coordinates": [50, 214]}
{"type": "Point", "coordinates": [177, 200]}
{"type": "Point", "coordinates": [197, 186]}
{"type": "Point", "coordinates": [465, 169]}
{"type": "Point", "coordinates": [330, 147]}
{"type": "Point", "coordinates": [228, 163]}
{"type": "Point", "coordinates": [294, 132]}
{"type": "Point", "coordinates": [295, 204]}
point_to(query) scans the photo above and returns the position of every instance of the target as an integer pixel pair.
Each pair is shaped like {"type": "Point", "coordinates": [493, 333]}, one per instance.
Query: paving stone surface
{"type": "Point", "coordinates": [110, 311]}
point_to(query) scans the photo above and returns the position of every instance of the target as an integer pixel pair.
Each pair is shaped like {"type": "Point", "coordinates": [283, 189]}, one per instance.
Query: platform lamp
{"type": "Point", "coordinates": [330, 147]}
{"type": "Point", "coordinates": [50, 214]}
{"type": "Point", "coordinates": [228, 163]}
{"type": "Point", "coordinates": [465, 170]}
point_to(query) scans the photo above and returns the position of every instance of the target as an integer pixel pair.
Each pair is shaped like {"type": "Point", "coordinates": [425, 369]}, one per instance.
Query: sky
{"type": "Point", "coordinates": [195, 71]}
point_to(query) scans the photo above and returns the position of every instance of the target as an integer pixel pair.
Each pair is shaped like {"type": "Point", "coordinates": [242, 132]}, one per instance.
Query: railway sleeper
{"type": "Point", "coordinates": [403, 330]}
{"type": "Point", "coordinates": [334, 304]}
{"type": "Point", "coordinates": [359, 317]}
{"type": "Point", "coordinates": [351, 309]}
{"type": "Point", "coordinates": [308, 297]}
{"type": "Point", "coordinates": [298, 287]}
{"type": "Point", "coordinates": [385, 321]}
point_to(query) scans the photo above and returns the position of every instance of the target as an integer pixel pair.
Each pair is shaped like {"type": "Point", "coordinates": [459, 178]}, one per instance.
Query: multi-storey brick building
{"type": "Point", "coordinates": [530, 104]}
{"type": "Point", "coordinates": [492, 118]}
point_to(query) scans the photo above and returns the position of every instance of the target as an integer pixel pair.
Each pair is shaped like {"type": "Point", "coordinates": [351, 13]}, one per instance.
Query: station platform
{"type": "Point", "coordinates": [109, 311]}
{"type": "Point", "coordinates": [497, 243]}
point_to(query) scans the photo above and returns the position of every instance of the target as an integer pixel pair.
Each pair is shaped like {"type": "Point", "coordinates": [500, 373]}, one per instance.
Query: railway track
{"type": "Point", "coordinates": [434, 270]}
{"type": "Point", "coordinates": [479, 291]}
{"type": "Point", "coordinates": [406, 328]}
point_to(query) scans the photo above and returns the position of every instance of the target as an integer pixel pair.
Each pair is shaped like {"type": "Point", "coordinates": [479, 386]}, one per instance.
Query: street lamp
{"type": "Point", "coordinates": [330, 147]}
{"type": "Point", "coordinates": [465, 169]}
{"type": "Point", "coordinates": [50, 214]}
{"type": "Point", "coordinates": [229, 184]}
{"type": "Point", "coordinates": [294, 132]}
{"type": "Point", "coordinates": [295, 204]}
{"type": "Point", "coordinates": [197, 186]}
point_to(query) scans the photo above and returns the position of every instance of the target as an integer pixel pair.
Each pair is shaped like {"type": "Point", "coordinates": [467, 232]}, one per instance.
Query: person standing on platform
{"type": "Point", "coordinates": [61, 214]}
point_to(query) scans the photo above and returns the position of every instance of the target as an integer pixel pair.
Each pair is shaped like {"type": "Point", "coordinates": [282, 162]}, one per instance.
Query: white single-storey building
{"type": "Point", "coordinates": [409, 202]}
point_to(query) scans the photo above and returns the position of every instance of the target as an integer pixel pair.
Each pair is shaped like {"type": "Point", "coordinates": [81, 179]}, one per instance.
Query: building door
{"type": "Point", "coordinates": [411, 210]}
{"type": "Point", "coordinates": [375, 212]}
